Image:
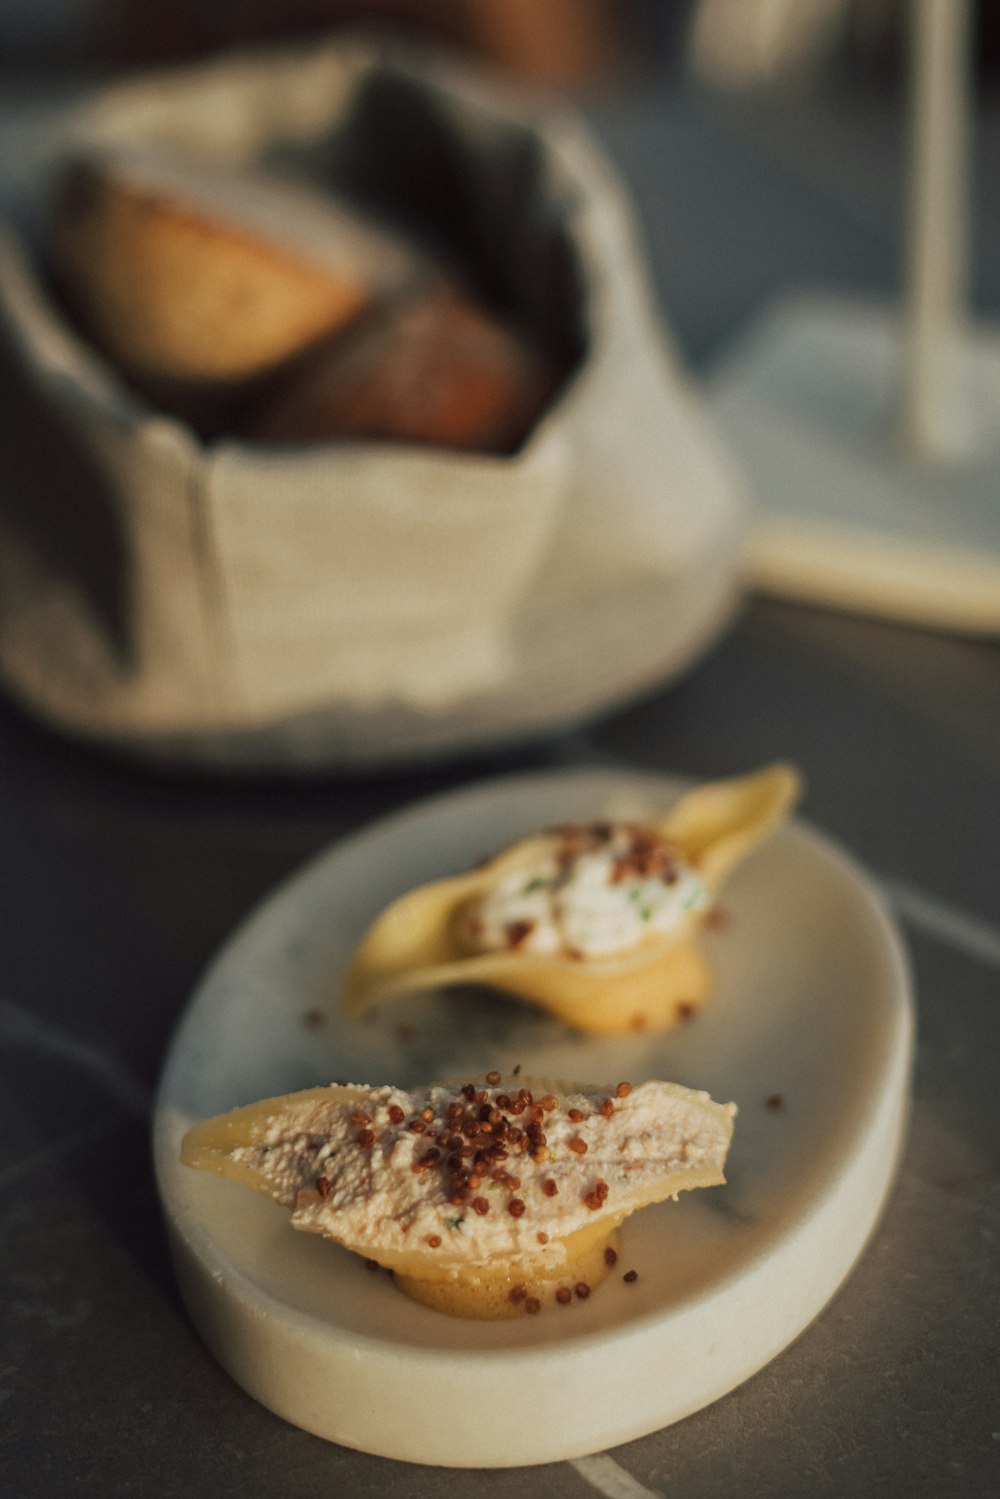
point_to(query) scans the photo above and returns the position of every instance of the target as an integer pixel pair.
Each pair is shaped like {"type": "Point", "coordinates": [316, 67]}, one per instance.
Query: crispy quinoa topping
{"type": "Point", "coordinates": [595, 889]}
{"type": "Point", "coordinates": [480, 1170]}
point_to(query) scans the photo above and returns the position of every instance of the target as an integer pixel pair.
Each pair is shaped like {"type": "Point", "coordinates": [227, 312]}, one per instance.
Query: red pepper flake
{"type": "Point", "coordinates": [480, 1206]}
{"type": "Point", "coordinates": [576, 1115]}
{"type": "Point", "coordinates": [630, 1277]}
{"type": "Point", "coordinates": [518, 1294]}
{"type": "Point", "coordinates": [434, 1241]}
{"type": "Point", "coordinates": [775, 1101]}
{"type": "Point", "coordinates": [532, 1306]}
{"type": "Point", "coordinates": [582, 1289]}
{"type": "Point", "coordinates": [515, 1207]}
{"type": "Point", "coordinates": [542, 1238]}
{"type": "Point", "coordinates": [548, 1103]}
{"type": "Point", "coordinates": [549, 1187]}
{"type": "Point", "coordinates": [366, 1138]}
{"type": "Point", "coordinates": [610, 1256]}
{"type": "Point", "coordinates": [607, 1108]}
{"type": "Point", "coordinates": [323, 1187]}
{"type": "Point", "coordinates": [578, 1146]}
{"type": "Point", "coordinates": [396, 1115]}
{"type": "Point", "coordinates": [417, 1127]}
{"type": "Point", "coordinates": [623, 1090]}
{"type": "Point", "coordinates": [359, 1117]}
{"type": "Point", "coordinates": [427, 1115]}
{"type": "Point", "coordinates": [564, 1295]}
{"type": "Point", "coordinates": [493, 1078]}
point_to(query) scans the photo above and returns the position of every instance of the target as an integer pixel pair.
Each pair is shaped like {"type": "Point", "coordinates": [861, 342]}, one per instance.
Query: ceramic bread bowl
{"type": "Point", "coordinates": [594, 922]}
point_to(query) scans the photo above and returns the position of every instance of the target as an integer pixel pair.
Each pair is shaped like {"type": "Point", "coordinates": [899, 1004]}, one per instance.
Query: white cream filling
{"type": "Point", "coordinates": [371, 1199]}
{"type": "Point", "coordinates": [588, 901]}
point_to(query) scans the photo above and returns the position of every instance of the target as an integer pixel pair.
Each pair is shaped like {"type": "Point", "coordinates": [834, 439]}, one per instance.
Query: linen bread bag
{"type": "Point", "coordinates": [255, 596]}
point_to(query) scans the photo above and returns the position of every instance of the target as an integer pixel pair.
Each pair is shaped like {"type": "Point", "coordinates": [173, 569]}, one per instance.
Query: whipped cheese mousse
{"type": "Point", "coordinates": [594, 922]}
{"type": "Point", "coordinates": [595, 889]}
{"type": "Point", "coordinates": [491, 1198]}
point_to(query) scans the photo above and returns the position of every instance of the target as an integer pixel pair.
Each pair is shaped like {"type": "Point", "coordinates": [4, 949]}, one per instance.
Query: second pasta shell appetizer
{"type": "Point", "coordinates": [593, 922]}
{"type": "Point", "coordinates": [493, 1198]}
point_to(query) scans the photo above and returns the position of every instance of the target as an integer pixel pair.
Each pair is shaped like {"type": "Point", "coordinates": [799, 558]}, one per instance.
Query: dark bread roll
{"type": "Point", "coordinates": [429, 368]}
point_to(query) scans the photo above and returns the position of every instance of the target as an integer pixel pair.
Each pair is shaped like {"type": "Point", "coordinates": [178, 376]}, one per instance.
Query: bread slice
{"type": "Point", "coordinates": [193, 279]}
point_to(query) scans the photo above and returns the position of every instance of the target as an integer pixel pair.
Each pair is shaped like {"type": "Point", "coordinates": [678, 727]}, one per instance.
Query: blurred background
{"type": "Point", "coordinates": [571, 44]}
{"type": "Point", "coordinates": [819, 84]}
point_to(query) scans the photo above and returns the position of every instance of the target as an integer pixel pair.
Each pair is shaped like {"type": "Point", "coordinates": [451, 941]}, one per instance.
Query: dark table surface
{"type": "Point", "coordinates": [119, 885]}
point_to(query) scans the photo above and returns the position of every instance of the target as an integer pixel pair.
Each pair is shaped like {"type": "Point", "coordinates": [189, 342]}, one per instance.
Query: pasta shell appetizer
{"type": "Point", "coordinates": [593, 922]}
{"type": "Point", "coordinates": [486, 1199]}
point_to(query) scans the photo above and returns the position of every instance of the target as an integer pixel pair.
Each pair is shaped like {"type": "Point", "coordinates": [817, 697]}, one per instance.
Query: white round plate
{"type": "Point", "coordinates": [809, 1031]}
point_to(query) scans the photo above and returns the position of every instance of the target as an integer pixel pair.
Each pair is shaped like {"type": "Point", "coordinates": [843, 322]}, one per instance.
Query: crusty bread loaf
{"type": "Point", "coordinates": [195, 280]}
{"type": "Point", "coordinates": [427, 368]}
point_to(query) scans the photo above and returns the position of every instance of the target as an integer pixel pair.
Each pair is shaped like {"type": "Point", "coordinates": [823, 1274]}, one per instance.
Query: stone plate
{"type": "Point", "coordinates": [809, 1031]}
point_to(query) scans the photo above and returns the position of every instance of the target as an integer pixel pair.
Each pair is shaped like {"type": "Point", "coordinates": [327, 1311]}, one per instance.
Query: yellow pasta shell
{"type": "Point", "coordinates": [446, 1276]}
{"type": "Point", "coordinates": [415, 943]}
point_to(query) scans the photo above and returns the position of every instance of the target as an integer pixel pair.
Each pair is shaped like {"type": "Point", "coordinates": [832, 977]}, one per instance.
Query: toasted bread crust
{"type": "Point", "coordinates": [174, 288]}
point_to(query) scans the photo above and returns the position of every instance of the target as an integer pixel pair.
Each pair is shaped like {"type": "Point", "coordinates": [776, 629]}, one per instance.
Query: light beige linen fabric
{"type": "Point", "coordinates": [345, 604]}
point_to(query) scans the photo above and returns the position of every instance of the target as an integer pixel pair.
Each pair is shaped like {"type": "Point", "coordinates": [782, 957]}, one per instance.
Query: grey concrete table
{"type": "Point", "coordinates": [117, 887]}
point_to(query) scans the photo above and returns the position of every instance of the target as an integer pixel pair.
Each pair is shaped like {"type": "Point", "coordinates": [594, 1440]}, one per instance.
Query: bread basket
{"type": "Point", "coordinates": [232, 604]}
